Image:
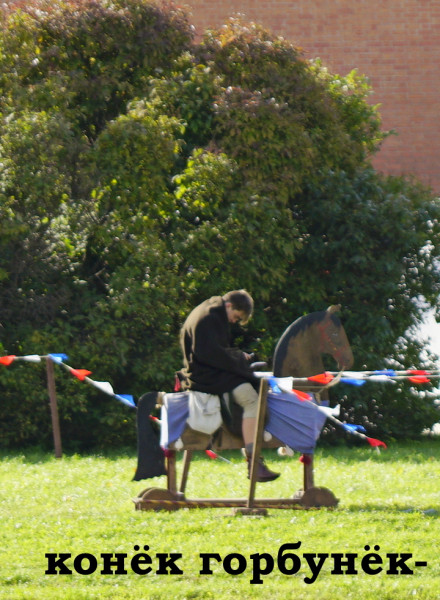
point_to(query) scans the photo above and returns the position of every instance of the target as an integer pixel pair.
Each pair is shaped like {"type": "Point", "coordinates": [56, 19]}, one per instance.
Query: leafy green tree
{"type": "Point", "coordinates": [128, 252]}
{"type": "Point", "coordinates": [141, 172]}
{"type": "Point", "coordinates": [88, 59]}
{"type": "Point", "coordinates": [37, 153]}
{"type": "Point", "coordinates": [73, 274]}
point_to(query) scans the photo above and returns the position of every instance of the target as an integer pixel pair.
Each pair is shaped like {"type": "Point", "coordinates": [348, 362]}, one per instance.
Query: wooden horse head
{"type": "Point", "coordinates": [299, 350]}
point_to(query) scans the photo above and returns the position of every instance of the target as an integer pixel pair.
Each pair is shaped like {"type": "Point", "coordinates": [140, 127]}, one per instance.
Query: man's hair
{"type": "Point", "coordinates": [240, 300]}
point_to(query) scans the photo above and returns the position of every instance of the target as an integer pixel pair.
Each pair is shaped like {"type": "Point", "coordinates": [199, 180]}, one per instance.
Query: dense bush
{"type": "Point", "coordinates": [141, 172]}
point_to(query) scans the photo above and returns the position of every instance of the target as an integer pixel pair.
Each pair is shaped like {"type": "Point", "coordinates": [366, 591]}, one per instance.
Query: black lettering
{"type": "Point", "coordinates": [227, 564]}
{"type": "Point", "coordinates": [372, 559]}
{"type": "Point", "coordinates": [399, 563]}
{"type": "Point", "coordinates": [78, 566]}
{"type": "Point", "coordinates": [168, 563]}
{"type": "Point", "coordinates": [341, 561]}
{"type": "Point", "coordinates": [54, 563]}
{"type": "Point", "coordinates": [284, 556]}
{"type": "Point", "coordinates": [315, 568]}
{"type": "Point", "coordinates": [141, 559]}
{"type": "Point", "coordinates": [206, 566]}
{"type": "Point", "coordinates": [108, 563]}
{"type": "Point", "coordinates": [256, 568]}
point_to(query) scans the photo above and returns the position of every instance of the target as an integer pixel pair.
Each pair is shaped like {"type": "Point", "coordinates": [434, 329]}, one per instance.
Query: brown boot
{"type": "Point", "coordinates": [263, 473]}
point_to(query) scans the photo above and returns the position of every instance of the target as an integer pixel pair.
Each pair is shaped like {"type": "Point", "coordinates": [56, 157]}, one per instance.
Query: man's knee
{"type": "Point", "coordinates": [246, 397]}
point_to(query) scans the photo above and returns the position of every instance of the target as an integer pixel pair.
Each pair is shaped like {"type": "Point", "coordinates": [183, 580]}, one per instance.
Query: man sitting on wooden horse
{"type": "Point", "coordinates": [212, 366]}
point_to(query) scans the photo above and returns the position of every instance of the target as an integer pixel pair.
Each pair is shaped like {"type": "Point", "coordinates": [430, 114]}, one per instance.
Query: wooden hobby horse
{"type": "Point", "coordinates": [301, 347]}
{"type": "Point", "coordinates": [298, 354]}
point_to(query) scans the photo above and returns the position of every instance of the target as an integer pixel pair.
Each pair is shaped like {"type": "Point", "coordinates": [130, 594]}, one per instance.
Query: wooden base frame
{"type": "Point", "coordinates": [173, 498]}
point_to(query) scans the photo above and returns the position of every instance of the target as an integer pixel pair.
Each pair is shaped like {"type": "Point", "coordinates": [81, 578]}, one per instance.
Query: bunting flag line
{"type": "Point", "coordinates": [81, 374]}
{"type": "Point", "coordinates": [358, 378]}
{"type": "Point", "coordinates": [417, 376]}
{"type": "Point", "coordinates": [286, 384]}
{"type": "Point", "coordinates": [392, 372]}
{"type": "Point", "coordinates": [355, 430]}
{"type": "Point", "coordinates": [103, 386]}
{"type": "Point", "coordinates": [278, 385]}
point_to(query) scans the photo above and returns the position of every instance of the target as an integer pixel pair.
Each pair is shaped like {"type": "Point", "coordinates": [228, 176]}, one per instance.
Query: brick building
{"type": "Point", "coordinates": [396, 43]}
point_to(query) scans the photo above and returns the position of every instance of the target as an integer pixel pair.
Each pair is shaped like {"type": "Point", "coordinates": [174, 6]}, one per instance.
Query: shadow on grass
{"type": "Point", "coordinates": [35, 455]}
{"type": "Point", "coordinates": [395, 508]}
{"type": "Point", "coordinates": [413, 451]}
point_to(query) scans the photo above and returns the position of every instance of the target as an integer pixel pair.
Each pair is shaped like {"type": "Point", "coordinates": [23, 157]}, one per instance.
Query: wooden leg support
{"type": "Point", "coordinates": [186, 463]}
{"type": "Point", "coordinates": [308, 471]}
{"type": "Point", "coordinates": [311, 496]}
{"type": "Point", "coordinates": [250, 508]}
{"type": "Point", "coordinates": [171, 472]}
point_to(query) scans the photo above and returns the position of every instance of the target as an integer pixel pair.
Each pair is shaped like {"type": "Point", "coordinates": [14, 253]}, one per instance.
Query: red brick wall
{"type": "Point", "coordinates": [395, 43]}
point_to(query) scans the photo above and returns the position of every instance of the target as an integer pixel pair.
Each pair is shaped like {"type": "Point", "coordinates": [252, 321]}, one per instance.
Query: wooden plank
{"type": "Point", "coordinates": [258, 438]}
{"type": "Point", "coordinates": [155, 504]}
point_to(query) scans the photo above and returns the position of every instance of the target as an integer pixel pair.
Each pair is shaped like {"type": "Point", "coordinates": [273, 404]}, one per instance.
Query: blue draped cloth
{"type": "Point", "coordinates": [294, 422]}
{"type": "Point", "coordinates": [174, 415]}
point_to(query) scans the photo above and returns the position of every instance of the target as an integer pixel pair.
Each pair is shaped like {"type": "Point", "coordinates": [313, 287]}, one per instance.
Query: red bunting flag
{"type": "Point", "coordinates": [303, 396]}
{"type": "Point", "coordinates": [81, 374]}
{"type": "Point", "coordinates": [375, 443]}
{"type": "Point", "coordinates": [418, 376]}
{"type": "Point", "coordinates": [213, 455]}
{"type": "Point", "coordinates": [322, 378]}
{"type": "Point", "coordinates": [7, 360]}
{"type": "Point", "coordinates": [418, 379]}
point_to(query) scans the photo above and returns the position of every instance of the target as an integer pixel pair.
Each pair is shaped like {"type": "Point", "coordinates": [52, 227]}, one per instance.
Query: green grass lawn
{"type": "Point", "coordinates": [83, 504]}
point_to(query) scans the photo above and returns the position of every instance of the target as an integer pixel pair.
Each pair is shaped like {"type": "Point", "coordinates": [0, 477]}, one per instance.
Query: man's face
{"type": "Point", "coordinates": [234, 315]}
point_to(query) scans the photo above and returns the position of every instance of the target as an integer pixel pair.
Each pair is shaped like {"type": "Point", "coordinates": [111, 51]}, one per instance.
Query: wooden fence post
{"type": "Point", "coordinates": [53, 408]}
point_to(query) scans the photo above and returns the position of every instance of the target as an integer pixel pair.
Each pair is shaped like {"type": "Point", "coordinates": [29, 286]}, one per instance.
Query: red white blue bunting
{"type": "Point", "coordinates": [80, 374]}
